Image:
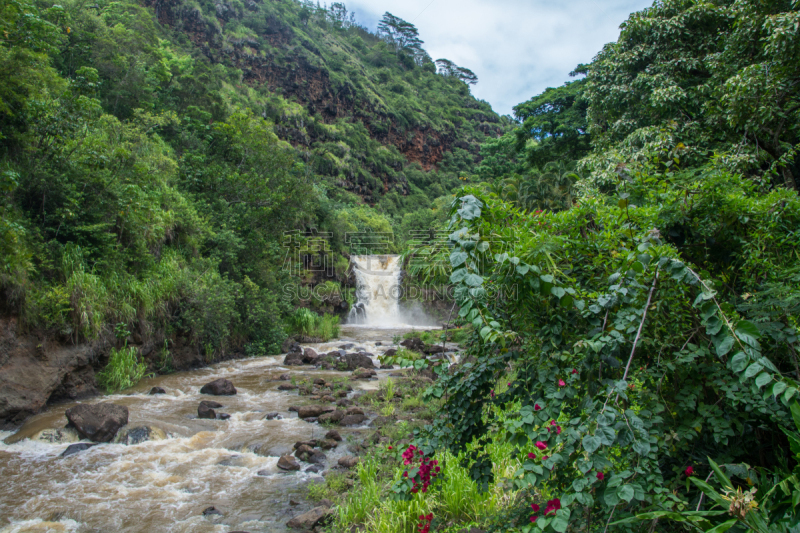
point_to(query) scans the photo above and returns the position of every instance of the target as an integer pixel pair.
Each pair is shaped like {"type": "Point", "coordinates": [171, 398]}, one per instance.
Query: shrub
{"type": "Point", "coordinates": [123, 371]}
{"type": "Point", "coordinates": [309, 324]}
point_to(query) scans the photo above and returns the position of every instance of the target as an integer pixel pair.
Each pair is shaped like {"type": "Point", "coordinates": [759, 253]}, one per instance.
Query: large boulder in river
{"type": "Point", "coordinates": [313, 411]}
{"type": "Point", "coordinates": [219, 387]}
{"type": "Point", "coordinates": [288, 463]}
{"type": "Point", "coordinates": [293, 359]}
{"type": "Point", "coordinates": [310, 356]}
{"type": "Point", "coordinates": [97, 422]}
{"type": "Point", "coordinates": [290, 345]}
{"type": "Point", "coordinates": [206, 410]}
{"type": "Point", "coordinates": [358, 360]}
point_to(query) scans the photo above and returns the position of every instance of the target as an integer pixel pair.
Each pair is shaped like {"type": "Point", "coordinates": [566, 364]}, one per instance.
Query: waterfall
{"type": "Point", "coordinates": [377, 290]}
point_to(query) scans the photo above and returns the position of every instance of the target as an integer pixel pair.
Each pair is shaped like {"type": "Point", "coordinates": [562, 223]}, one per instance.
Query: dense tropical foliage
{"type": "Point", "coordinates": [152, 161]}
{"type": "Point", "coordinates": [637, 345]}
{"type": "Point", "coordinates": [625, 250]}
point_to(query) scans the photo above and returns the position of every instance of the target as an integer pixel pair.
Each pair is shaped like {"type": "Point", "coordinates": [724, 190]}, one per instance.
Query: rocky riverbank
{"type": "Point", "coordinates": [232, 447]}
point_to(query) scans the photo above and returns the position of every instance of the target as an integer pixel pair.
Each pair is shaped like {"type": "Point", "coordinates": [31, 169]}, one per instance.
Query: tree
{"type": "Point", "coordinates": [403, 37]}
{"type": "Point", "coordinates": [449, 69]}
{"type": "Point", "coordinates": [706, 77]}
{"type": "Point", "coordinates": [556, 120]}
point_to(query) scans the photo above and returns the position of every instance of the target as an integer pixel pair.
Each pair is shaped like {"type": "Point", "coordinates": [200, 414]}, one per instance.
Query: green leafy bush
{"type": "Point", "coordinates": [307, 323]}
{"type": "Point", "coordinates": [124, 370]}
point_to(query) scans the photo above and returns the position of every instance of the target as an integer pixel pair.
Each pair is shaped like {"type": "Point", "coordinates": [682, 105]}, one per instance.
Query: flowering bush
{"type": "Point", "coordinates": [419, 478]}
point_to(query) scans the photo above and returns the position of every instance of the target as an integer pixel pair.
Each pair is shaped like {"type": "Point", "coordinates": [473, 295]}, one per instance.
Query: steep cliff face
{"type": "Point", "coordinates": [336, 74]}
{"type": "Point", "coordinates": [35, 370]}
{"type": "Point", "coordinates": [38, 369]}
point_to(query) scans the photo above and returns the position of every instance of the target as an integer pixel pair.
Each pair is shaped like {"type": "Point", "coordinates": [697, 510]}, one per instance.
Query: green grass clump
{"type": "Point", "coordinates": [124, 370]}
{"type": "Point", "coordinates": [388, 389]}
{"type": "Point", "coordinates": [310, 324]}
{"type": "Point", "coordinates": [412, 403]}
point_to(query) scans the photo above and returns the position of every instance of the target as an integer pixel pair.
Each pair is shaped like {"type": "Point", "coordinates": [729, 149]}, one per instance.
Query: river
{"type": "Point", "coordinates": [164, 485]}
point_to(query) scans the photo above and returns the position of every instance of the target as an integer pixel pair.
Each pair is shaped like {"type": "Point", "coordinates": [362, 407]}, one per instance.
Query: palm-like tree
{"type": "Point", "coordinates": [551, 189]}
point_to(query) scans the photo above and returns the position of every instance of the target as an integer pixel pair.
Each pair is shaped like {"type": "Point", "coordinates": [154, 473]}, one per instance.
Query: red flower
{"type": "Point", "coordinates": [552, 422]}
{"type": "Point", "coordinates": [541, 445]}
{"type": "Point", "coordinates": [390, 447]}
{"type": "Point", "coordinates": [536, 407]}
{"type": "Point", "coordinates": [574, 371]}
{"type": "Point", "coordinates": [561, 383]}
{"type": "Point", "coordinates": [492, 393]}
{"type": "Point", "coordinates": [535, 508]}
{"type": "Point", "coordinates": [533, 518]}
{"type": "Point", "coordinates": [531, 455]}
{"type": "Point", "coordinates": [545, 457]}
{"type": "Point", "coordinates": [558, 430]}
{"type": "Point", "coordinates": [689, 471]}
{"type": "Point", "coordinates": [552, 506]}
{"type": "Point", "coordinates": [600, 476]}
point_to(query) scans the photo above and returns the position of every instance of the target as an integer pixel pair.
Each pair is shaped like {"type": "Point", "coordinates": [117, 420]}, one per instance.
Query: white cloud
{"type": "Point", "coordinates": [517, 48]}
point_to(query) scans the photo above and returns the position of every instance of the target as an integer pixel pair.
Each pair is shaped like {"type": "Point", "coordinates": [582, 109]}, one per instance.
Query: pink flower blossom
{"type": "Point", "coordinates": [535, 508]}
{"type": "Point", "coordinates": [558, 430]}
{"type": "Point", "coordinates": [541, 445]}
{"type": "Point", "coordinates": [600, 476]}
{"type": "Point", "coordinates": [574, 371]}
{"type": "Point", "coordinates": [534, 518]}
{"type": "Point", "coordinates": [689, 471]}
{"type": "Point", "coordinates": [561, 383]}
{"type": "Point", "coordinates": [531, 455]}
{"type": "Point", "coordinates": [537, 407]}
{"type": "Point", "coordinates": [545, 457]}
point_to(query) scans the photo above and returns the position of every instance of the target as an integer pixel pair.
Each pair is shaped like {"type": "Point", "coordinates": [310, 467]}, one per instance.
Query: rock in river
{"type": "Point", "coordinates": [219, 387]}
{"type": "Point", "coordinates": [358, 360]}
{"type": "Point", "coordinates": [72, 449]}
{"type": "Point", "coordinates": [57, 436]}
{"type": "Point", "coordinates": [353, 420]}
{"type": "Point", "coordinates": [288, 463]}
{"type": "Point", "coordinates": [293, 359]}
{"type": "Point", "coordinates": [157, 390]}
{"type": "Point", "coordinates": [332, 417]}
{"type": "Point", "coordinates": [348, 461]}
{"type": "Point", "coordinates": [139, 434]}
{"type": "Point", "coordinates": [206, 410]}
{"type": "Point", "coordinates": [311, 519]}
{"type": "Point", "coordinates": [98, 422]}
{"type": "Point", "coordinates": [312, 411]}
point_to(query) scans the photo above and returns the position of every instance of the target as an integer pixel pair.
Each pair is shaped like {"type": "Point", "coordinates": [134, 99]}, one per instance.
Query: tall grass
{"type": "Point", "coordinates": [124, 370]}
{"type": "Point", "coordinates": [456, 499]}
{"type": "Point", "coordinates": [309, 324]}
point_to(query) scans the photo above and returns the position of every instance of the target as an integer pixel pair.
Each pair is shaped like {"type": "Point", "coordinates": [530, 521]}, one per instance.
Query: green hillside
{"type": "Point", "coordinates": [153, 156]}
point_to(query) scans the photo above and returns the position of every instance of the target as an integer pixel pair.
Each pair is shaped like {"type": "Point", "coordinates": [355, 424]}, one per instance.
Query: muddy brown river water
{"type": "Point", "coordinates": [164, 485]}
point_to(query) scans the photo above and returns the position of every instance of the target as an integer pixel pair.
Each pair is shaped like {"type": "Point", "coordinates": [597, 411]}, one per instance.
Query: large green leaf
{"type": "Point", "coordinates": [591, 443]}
{"type": "Point", "coordinates": [458, 258]}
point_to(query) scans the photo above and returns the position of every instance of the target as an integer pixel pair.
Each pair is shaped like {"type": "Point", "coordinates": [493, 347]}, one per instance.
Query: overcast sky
{"type": "Point", "coordinates": [517, 48]}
